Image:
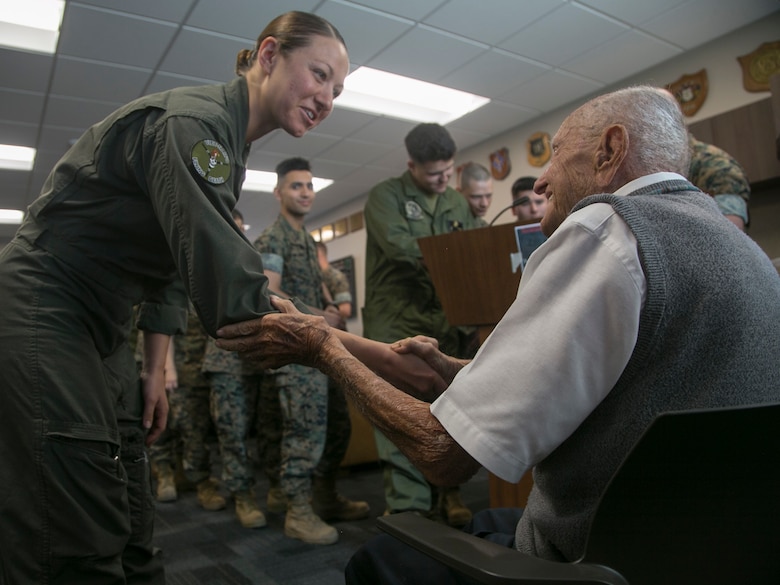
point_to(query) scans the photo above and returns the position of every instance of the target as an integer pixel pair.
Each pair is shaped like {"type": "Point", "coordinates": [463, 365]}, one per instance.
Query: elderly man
{"type": "Point", "coordinates": [631, 316]}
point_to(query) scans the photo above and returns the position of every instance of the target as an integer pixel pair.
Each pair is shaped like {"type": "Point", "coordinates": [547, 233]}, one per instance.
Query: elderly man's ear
{"type": "Point", "coordinates": [611, 153]}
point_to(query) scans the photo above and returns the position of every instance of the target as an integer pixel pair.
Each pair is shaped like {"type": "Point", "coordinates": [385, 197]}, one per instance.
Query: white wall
{"type": "Point", "coordinates": [726, 93]}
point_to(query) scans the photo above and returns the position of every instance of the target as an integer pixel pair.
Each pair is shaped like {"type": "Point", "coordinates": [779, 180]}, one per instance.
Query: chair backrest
{"type": "Point", "coordinates": [697, 501]}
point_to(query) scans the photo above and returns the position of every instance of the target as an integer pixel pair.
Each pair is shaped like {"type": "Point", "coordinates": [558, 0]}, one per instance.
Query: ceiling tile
{"type": "Point", "coordinates": [384, 131]}
{"type": "Point", "coordinates": [18, 133]}
{"type": "Point", "coordinates": [25, 71]}
{"type": "Point", "coordinates": [489, 21]}
{"type": "Point", "coordinates": [21, 106]}
{"type": "Point", "coordinates": [204, 55]}
{"type": "Point", "coordinates": [171, 10]}
{"type": "Point", "coordinates": [412, 9]}
{"type": "Point", "coordinates": [628, 54]}
{"type": "Point", "coordinates": [403, 56]}
{"type": "Point", "coordinates": [551, 91]}
{"type": "Point", "coordinates": [241, 18]}
{"type": "Point", "coordinates": [356, 151]}
{"type": "Point", "coordinates": [113, 37]}
{"type": "Point", "coordinates": [308, 146]}
{"type": "Point", "coordinates": [697, 22]}
{"type": "Point", "coordinates": [371, 31]}
{"type": "Point", "coordinates": [633, 13]}
{"type": "Point", "coordinates": [99, 81]}
{"type": "Point", "coordinates": [492, 73]}
{"type": "Point", "coordinates": [493, 118]}
{"type": "Point", "coordinates": [542, 41]}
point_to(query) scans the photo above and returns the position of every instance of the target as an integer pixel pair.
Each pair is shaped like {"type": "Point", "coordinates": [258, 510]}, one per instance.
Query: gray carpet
{"type": "Point", "coordinates": [201, 547]}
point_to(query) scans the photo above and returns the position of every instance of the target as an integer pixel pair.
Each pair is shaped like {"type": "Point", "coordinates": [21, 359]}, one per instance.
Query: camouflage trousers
{"type": "Point", "coordinates": [294, 427]}
{"type": "Point", "coordinates": [337, 433]}
{"type": "Point", "coordinates": [189, 422]}
{"type": "Point", "coordinates": [234, 411]}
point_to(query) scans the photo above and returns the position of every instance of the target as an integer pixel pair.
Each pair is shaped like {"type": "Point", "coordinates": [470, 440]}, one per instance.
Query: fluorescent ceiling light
{"type": "Point", "coordinates": [266, 181]}
{"type": "Point", "coordinates": [379, 92]}
{"type": "Point", "coordinates": [31, 25]}
{"type": "Point", "coordinates": [16, 158]}
{"type": "Point", "coordinates": [11, 216]}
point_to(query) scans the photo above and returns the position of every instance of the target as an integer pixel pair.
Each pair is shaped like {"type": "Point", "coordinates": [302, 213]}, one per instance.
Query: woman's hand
{"type": "Point", "coordinates": [427, 349]}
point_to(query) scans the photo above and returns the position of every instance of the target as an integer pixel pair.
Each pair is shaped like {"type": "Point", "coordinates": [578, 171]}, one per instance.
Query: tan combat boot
{"type": "Point", "coordinates": [247, 511]}
{"type": "Point", "coordinates": [452, 507]}
{"type": "Point", "coordinates": [208, 495]}
{"type": "Point", "coordinates": [166, 485]}
{"type": "Point", "coordinates": [302, 523]}
{"type": "Point", "coordinates": [330, 505]}
{"type": "Point", "coordinates": [276, 500]}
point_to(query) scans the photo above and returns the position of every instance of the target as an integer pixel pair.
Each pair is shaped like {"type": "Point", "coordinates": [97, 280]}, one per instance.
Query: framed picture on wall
{"type": "Point", "coordinates": [347, 266]}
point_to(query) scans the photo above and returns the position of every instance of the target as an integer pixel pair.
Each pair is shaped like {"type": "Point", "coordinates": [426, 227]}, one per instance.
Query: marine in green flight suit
{"type": "Point", "coordinates": [143, 198]}
{"type": "Point", "coordinates": [401, 300]}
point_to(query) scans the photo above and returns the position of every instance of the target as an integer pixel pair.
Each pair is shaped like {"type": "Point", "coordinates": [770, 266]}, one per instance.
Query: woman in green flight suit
{"type": "Point", "coordinates": [143, 199]}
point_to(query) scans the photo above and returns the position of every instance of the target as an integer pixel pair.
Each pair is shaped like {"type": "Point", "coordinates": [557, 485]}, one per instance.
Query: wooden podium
{"type": "Point", "coordinates": [472, 273]}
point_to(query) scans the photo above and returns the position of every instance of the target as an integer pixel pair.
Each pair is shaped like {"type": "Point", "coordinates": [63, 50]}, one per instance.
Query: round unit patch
{"type": "Point", "coordinates": [211, 161]}
{"type": "Point", "coordinates": [413, 210]}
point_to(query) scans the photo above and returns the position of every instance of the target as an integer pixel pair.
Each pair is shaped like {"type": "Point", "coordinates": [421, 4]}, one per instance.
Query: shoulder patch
{"type": "Point", "coordinates": [211, 161]}
{"type": "Point", "coordinates": [413, 210]}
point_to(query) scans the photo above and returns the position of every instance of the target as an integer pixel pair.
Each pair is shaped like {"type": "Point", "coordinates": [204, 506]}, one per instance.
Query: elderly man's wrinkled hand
{"type": "Point", "coordinates": [277, 339]}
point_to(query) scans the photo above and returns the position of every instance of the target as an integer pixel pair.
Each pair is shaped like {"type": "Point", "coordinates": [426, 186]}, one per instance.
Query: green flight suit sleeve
{"type": "Point", "coordinates": [165, 310]}
{"type": "Point", "coordinates": [221, 270]}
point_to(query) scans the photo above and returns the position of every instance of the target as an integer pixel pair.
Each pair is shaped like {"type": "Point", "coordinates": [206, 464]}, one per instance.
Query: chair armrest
{"type": "Point", "coordinates": [488, 562]}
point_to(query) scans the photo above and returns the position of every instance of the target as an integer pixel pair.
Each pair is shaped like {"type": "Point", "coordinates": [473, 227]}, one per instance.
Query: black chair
{"type": "Point", "coordinates": [696, 502]}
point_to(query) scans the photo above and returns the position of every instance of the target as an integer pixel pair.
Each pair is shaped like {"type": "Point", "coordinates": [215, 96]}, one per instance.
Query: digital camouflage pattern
{"type": "Point", "coordinates": [293, 254]}
{"type": "Point", "coordinates": [339, 430]}
{"type": "Point", "coordinates": [337, 285]}
{"type": "Point", "coordinates": [717, 173]}
{"type": "Point", "coordinates": [300, 395]}
{"type": "Point", "coordinates": [234, 412]}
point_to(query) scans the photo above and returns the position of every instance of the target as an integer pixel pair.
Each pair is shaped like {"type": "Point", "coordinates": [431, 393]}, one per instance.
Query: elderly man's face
{"type": "Point", "coordinates": [570, 176]}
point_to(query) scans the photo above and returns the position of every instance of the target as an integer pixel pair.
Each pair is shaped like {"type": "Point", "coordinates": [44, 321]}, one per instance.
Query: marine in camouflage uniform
{"type": "Point", "coordinates": [717, 173]}
{"type": "Point", "coordinates": [291, 264]}
{"type": "Point", "coordinates": [235, 386]}
{"type": "Point", "coordinates": [299, 391]}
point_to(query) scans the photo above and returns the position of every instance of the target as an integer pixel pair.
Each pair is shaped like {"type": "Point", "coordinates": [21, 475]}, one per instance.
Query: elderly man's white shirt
{"type": "Point", "coordinates": [558, 350]}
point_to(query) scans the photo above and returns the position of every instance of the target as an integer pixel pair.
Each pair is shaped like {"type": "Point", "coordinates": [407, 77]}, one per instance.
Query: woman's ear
{"type": "Point", "coordinates": [268, 53]}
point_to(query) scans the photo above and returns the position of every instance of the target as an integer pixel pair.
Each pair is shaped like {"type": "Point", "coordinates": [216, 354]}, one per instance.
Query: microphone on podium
{"type": "Point", "coordinates": [515, 203]}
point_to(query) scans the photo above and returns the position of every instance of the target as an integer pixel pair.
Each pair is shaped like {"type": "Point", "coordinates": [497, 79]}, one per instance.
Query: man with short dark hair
{"type": "Point", "coordinates": [290, 263]}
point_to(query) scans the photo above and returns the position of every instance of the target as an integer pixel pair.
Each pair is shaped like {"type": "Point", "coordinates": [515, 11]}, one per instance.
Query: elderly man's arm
{"type": "Point", "coordinates": [291, 336]}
